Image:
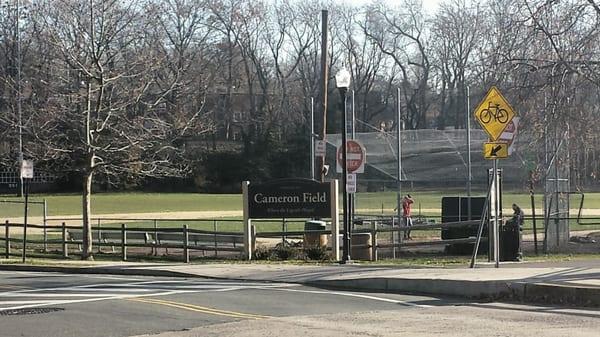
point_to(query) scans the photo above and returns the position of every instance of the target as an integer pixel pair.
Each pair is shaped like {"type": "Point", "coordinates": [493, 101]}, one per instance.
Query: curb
{"type": "Point", "coordinates": [538, 293]}
{"type": "Point", "coordinates": [479, 290]}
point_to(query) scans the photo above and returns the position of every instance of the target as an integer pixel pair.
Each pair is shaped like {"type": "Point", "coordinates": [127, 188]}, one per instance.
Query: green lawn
{"type": "Point", "coordinates": [111, 203]}
{"type": "Point", "coordinates": [375, 203]}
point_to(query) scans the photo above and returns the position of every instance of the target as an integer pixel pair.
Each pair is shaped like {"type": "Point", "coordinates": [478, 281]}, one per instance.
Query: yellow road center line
{"type": "Point", "coordinates": [196, 308]}
{"type": "Point", "coordinates": [214, 310]}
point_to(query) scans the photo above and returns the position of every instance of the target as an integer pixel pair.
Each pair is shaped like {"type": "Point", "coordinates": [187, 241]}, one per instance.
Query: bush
{"type": "Point", "coordinates": [263, 253]}
{"type": "Point", "coordinates": [285, 252]}
{"type": "Point", "coordinates": [318, 253]}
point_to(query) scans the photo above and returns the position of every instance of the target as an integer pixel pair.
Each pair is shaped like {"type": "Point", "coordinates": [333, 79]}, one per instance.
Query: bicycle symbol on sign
{"type": "Point", "coordinates": [493, 111]}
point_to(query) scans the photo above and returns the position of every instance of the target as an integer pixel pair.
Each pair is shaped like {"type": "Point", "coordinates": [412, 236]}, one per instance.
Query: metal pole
{"type": "Point", "coordinates": [324, 79]}
{"type": "Point", "coordinates": [497, 210]}
{"type": "Point", "coordinates": [399, 165]}
{"type": "Point", "coordinates": [469, 172]}
{"type": "Point", "coordinates": [346, 253]}
{"type": "Point", "coordinates": [312, 138]}
{"type": "Point", "coordinates": [353, 136]}
{"type": "Point", "coordinates": [556, 186]}
{"type": "Point", "coordinates": [19, 109]}
{"type": "Point", "coordinates": [535, 240]}
{"type": "Point", "coordinates": [25, 217]}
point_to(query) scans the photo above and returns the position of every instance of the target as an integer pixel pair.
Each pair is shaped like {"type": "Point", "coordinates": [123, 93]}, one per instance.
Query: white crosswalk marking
{"type": "Point", "coordinates": [121, 288]}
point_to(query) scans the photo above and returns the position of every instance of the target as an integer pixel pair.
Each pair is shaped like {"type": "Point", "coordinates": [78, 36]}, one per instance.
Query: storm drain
{"type": "Point", "coordinates": [28, 311]}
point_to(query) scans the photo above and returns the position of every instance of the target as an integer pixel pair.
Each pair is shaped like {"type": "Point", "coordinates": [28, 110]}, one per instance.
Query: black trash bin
{"type": "Point", "coordinates": [510, 241]}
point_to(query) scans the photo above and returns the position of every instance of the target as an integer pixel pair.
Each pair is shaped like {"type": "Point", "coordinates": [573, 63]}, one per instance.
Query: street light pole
{"type": "Point", "coordinates": [342, 81]}
{"type": "Point", "coordinates": [19, 108]}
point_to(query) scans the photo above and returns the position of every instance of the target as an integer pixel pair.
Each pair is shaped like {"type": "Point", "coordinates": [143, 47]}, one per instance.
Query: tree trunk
{"type": "Point", "coordinates": [86, 254]}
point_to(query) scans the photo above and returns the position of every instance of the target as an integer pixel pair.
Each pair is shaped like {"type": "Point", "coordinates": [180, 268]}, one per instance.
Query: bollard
{"type": "Point", "coordinates": [65, 248]}
{"type": "Point", "coordinates": [186, 252]}
{"type": "Point", "coordinates": [124, 242]}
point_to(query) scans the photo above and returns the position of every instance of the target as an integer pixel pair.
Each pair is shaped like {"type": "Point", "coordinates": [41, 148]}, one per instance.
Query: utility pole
{"type": "Point", "coordinates": [324, 80]}
{"type": "Point", "coordinates": [19, 109]}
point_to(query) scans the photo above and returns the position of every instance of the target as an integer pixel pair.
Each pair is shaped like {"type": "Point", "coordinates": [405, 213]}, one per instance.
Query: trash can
{"type": "Point", "coordinates": [510, 241]}
{"type": "Point", "coordinates": [314, 239]}
{"type": "Point", "coordinates": [361, 247]}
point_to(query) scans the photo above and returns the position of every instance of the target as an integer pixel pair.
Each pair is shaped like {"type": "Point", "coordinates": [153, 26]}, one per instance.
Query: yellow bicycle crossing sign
{"type": "Point", "coordinates": [494, 113]}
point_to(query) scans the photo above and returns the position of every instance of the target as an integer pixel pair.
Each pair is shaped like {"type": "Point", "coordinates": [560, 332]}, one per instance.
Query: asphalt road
{"type": "Point", "coordinates": [48, 304]}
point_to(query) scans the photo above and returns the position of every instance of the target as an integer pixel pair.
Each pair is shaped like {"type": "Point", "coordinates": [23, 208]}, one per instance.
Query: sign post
{"type": "Point", "coordinates": [494, 114]}
{"type": "Point", "coordinates": [26, 176]}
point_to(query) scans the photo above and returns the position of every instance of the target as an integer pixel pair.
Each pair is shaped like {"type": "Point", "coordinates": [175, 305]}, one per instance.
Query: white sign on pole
{"type": "Point", "coordinates": [27, 169]}
{"type": "Point", "coordinates": [320, 148]}
{"type": "Point", "coordinates": [351, 183]}
{"type": "Point", "coordinates": [510, 133]}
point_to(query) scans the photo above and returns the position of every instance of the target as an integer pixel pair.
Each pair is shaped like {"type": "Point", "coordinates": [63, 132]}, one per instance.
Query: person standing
{"type": "Point", "coordinates": [517, 221]}
{"type": "Point", "coordinates": [407, 202]}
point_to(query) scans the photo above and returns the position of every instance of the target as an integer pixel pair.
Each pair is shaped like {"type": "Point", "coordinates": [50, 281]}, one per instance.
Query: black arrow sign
{"type": "Point", "coordinates": [494, 151]}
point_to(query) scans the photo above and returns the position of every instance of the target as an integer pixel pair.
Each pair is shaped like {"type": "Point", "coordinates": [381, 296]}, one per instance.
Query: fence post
{"type": "Point", "coordinates": [45, 226]}
{"type": "Point", "coordinates": [124, 241]}
{"type": "Point", "coordinates": [186, 252]}
{"type": "Point", "coordinates": [99, 236]}
{"type": "Point", "coordinates": [283, 231]}
{"type": "Point", "coordinates": [7, 239]}
{"type": "Point", "coordinates": [65, 248]}
{"type": "Point", "coordinates": [155, 238]}
{"type": "Point", "coordinates": [253, 238]}
{"type": "Point", "coordinates": [216, 244]}
{"type": "Point", "coordinates": [374, 241]}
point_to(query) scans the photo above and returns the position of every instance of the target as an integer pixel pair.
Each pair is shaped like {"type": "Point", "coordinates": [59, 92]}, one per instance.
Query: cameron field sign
{"type": "Point", "coordinates": [289, 198]}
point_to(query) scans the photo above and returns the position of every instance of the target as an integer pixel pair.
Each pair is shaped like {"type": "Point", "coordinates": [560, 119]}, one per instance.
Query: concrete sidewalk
{"type": "Point", "coordinates": [550, 283]}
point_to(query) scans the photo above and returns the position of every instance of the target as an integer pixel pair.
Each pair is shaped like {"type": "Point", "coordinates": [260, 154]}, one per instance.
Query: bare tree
{"type": "Point", "coordinates": [103, 111]}
{"type": "Point", "coordinates": [456, 30]}
{"type": "Point", "coordinates": [401, 34]}
{"type": "Point", "coordinates": [372, 71]}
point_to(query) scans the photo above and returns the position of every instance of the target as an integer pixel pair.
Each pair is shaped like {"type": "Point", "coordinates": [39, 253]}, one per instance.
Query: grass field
{"type": "Point", "coordinates": [426, 203]}
{"type": "Point", "coordinates": [122, 203]}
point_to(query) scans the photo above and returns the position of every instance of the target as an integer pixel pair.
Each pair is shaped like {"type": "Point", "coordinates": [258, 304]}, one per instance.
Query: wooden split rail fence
{"type": "Point", "coordinates": [186, 239]}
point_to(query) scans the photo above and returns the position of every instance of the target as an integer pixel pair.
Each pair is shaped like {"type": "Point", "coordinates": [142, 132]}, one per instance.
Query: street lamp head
{"type": "Point", "coordinates": [342, 78]}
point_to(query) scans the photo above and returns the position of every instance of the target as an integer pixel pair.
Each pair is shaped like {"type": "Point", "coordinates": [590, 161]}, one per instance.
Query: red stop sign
{"type": "Point", "coordinates": [355, 156]}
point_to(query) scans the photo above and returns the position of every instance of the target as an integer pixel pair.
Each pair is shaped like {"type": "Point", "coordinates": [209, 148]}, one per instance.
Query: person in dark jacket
{"type": "Point", "coordinates": [517, 221]}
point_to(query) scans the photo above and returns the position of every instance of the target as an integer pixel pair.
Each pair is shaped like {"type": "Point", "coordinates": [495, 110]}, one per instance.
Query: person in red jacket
{"type": "Point", "coordinates": [407, 202]}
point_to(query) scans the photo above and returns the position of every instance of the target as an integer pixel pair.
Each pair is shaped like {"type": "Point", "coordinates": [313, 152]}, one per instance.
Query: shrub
{"type": "Point", "coordinates": [263, 253]}
{"type": "Point", "coordinates": [285, 252]}
{"type": "Point", "coordinates": [318, 253]}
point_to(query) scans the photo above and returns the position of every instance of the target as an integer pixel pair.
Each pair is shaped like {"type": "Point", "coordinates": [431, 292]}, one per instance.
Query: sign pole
{"type": "Point", "coordinates": [26, 183]}
{"type": "Point", "coordinates": [346, 254]}
{"type": "Point", "coordinates": [496, 213]}
{"type": "Point", "coordinates": [247, 222]}
{"type": "Point", "coordinates": [26, 176]}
